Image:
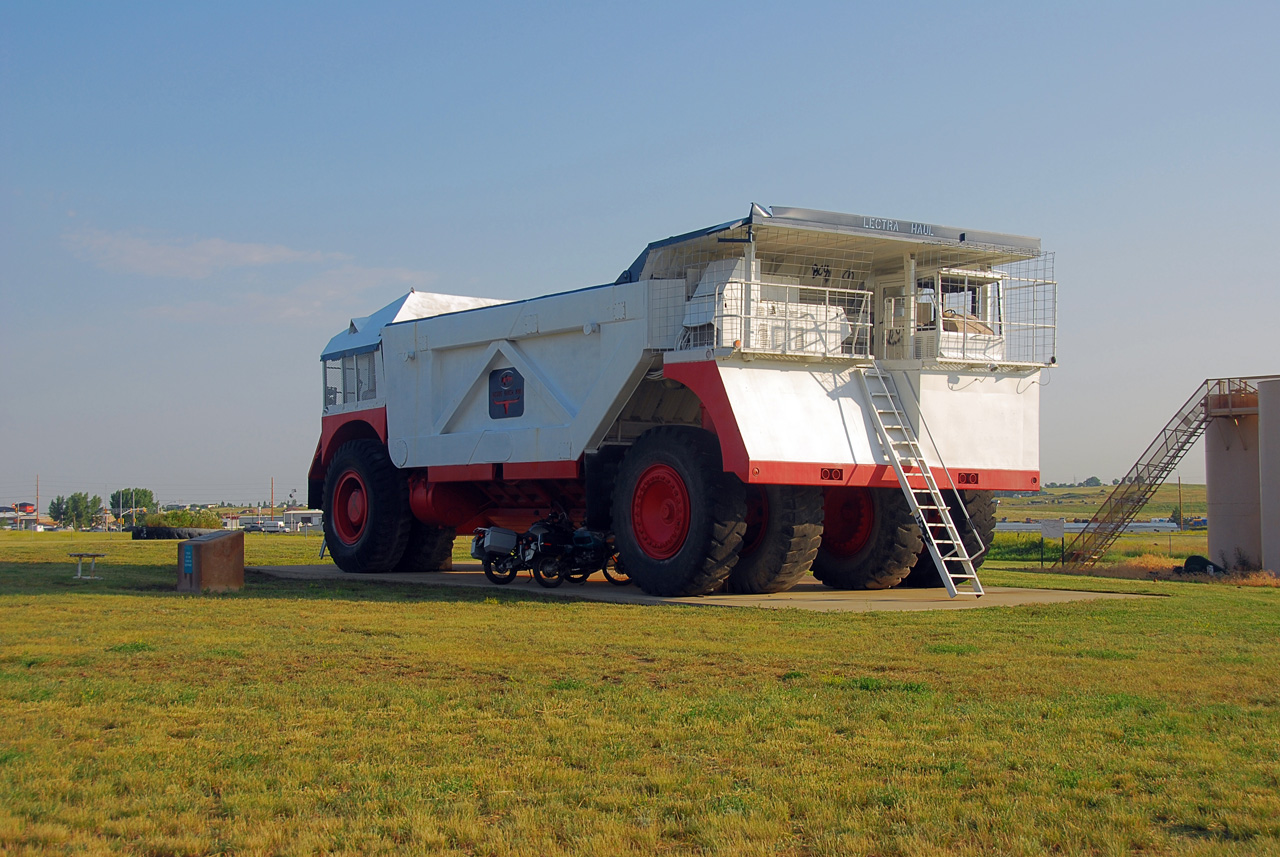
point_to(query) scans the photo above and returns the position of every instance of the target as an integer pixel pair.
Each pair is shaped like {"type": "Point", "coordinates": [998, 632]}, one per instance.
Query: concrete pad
{"type": "Point", "coordinates": [807, 595]}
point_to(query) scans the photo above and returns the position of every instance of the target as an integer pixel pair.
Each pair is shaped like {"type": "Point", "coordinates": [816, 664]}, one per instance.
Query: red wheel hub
{"type": "Point", "coordinates": [850, 515]}
{"type": "Point", "coordinates": [660, 511]}
{"type": "Point", "coordinates": [350, 507]}
{"type": "Point", "coordinates": [757, 519]}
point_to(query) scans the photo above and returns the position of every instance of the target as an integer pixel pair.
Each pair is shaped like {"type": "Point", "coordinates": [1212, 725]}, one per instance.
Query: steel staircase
{"type": "Point", "coordinates": [927, 503]}
{"type": "Point", "coordinates": [1215, 397]}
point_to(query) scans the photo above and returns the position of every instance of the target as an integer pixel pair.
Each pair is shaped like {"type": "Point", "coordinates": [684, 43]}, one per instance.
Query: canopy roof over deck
{"type": "Point", "coordinates": [795, 233]}
{"type": "Point", "coordinates": [364, 333]}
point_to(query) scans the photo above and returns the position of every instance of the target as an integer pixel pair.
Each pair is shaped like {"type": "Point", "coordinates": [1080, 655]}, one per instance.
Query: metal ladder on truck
{"type": "Point", "coordinates": [928, 505]}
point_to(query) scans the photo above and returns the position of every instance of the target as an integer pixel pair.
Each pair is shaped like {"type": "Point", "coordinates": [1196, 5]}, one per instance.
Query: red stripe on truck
{"type": "Point", "coordinates": [882, 476]}
{"type": "Point", "coordinates": [462, 472]}
{"type": "Point", "coordinates": [337, 429]}
{"type": "Point", "coordinates": [703, 378]}
{"type": "Point", "coordinates": [540, 470]}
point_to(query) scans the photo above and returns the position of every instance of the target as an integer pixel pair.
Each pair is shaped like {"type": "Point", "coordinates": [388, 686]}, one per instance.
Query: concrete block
{"type": "Point", "coordinates": [212, 563]}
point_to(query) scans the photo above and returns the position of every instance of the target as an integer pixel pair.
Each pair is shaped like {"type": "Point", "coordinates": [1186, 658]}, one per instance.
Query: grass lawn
{"type": "Point", "coordinates": [356, 718]}
{"type": "Point", "coordinates": [1071, 503]}
{"type": "Point", "coordinates": [1173, 547]}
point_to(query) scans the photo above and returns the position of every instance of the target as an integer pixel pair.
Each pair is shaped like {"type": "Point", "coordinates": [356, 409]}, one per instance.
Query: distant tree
{"type": "Point", "coordinates": [81, 510]}
{"type": "Point", "coordinates": [133, 498]}
{"type": "Point", "coordinates": [1115, 481]}
{"type": "Point", "coordinates": [1091, 482]}
{"type": "Point", "coordinates": [58, 509]}
{"type": "Point", "coordinates": [77, 507]}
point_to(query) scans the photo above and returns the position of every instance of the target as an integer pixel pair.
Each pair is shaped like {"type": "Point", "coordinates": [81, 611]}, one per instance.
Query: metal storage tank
{"type": "Point", "coordinates": [1269, 472]}
{"type": "Point", "coordinates": [1231, 470]}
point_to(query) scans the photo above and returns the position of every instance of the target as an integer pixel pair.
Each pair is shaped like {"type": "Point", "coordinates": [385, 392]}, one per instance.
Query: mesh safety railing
{"type": "Point", "coordinates": [778, 319]}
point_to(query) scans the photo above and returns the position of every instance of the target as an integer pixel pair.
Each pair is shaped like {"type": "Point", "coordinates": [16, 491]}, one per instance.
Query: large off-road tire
{"type": "Point", "coordinates": [427, 549]}
{"type": "Point", "coordinates": [869, 539]}
{"type": "Point", "coordinates": [981, 506]}
{"type": "Point", "coordinates": [784, 529]}
{"type": "Point", "coordinates": [366, 509]}
{"type": "Point", "coordinates": [976, 530]}
{"type": "Point", "coordinates": [678, 518]}
{"type": "Point", "coordinates": [601, 473]}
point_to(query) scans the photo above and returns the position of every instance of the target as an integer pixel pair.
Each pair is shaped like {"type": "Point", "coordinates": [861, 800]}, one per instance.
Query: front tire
{"type": "Point", "coordinates": [678, 517]}
{"type": "Point", "coordinates": [548, 573]}
{"type": "Point", "coordinates": [784, 530]}
{"type": "Point", "coordinates": [869, 541]}
{"type": "Point", "coordinates": [366, 509]}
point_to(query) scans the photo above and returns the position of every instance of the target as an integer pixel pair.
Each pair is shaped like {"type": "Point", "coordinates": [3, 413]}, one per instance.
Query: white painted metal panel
{"type": "Point", "coordinates": [798, 413]}
{"type": "Point", "coordinates": [581, 354]}
{"type": "Point", "coordinates": [363, 333]}
{"type": "Point", "coordinates": [792, 412]}
{"type": "Point", "coordinates": [979, 421]}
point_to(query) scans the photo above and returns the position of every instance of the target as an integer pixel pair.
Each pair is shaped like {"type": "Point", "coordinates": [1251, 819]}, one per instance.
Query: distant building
{"type": "Point", "coordinates": [296, 519]}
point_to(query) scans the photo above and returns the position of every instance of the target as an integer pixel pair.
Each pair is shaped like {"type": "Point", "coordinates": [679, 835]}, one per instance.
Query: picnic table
{"type": "Point", "coordinates": [93, 564]}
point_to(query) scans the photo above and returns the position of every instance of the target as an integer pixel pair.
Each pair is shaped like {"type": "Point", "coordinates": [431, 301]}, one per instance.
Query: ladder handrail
{"type": "Point", "coordinates": [943, 464]}
{"type": "Point", "coordinates": [1129, 497]}
{"type": "Point", "coordinates": [915, 457]}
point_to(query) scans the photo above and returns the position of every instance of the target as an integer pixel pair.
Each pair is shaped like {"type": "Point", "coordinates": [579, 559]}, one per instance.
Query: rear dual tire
{"type": "Point", "coordinates": [870, 540]}
{"type": "Point", "coordinates": [783, 533]}
{"type": "Point", "coordinates": [428, 548]}
{"type": "Point", "coordinates": [974, 514]}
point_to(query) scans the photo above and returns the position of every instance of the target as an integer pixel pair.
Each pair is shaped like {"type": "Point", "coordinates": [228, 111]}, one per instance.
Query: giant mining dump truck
{"type": "Point", "coordinates": [795, 391]}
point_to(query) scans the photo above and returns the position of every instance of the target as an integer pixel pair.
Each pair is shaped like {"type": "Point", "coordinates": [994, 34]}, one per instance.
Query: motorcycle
{"type": "Point", "coordinates": [552, 550]}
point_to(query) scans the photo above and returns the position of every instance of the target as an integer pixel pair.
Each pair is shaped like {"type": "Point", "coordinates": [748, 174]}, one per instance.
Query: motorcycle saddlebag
{"type": "Point", "coordinates": [500, 541]}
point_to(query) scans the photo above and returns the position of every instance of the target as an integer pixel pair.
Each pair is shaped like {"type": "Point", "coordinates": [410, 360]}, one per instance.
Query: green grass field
{"type": "Point", "coordinates": [1071, 503]}
{"type": "Point", "coordinates": [360, 718]}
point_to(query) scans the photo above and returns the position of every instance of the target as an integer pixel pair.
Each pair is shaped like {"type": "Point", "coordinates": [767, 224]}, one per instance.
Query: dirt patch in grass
{"type": "Point", "coordinates": [1153, 567]}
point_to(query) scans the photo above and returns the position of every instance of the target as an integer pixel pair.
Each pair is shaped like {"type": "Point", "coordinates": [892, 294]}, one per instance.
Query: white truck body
{"type": "Point", "coordinates": [756, 332]}
{"type": "Point", "coordinates": [582, 355]}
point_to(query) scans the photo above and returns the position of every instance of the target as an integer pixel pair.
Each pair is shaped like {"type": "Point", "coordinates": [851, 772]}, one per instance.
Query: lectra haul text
{"type": "Point", "coordinates": [894, 226]}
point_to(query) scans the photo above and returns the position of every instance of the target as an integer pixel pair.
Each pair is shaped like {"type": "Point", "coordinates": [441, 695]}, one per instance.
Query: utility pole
{"type": "Point", "coordinates": [37, 523]}
{"type": "Point", "coordinates": [273, 498]}
{"type": "Point", "coordinates": [1179, 502]}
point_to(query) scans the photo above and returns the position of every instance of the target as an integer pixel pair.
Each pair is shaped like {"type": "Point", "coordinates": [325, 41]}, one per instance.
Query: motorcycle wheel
{"type": "Point", "coordinates": [544, 574]}
{"type": "Point", "coordinates": [497, 575]}
{"type": "Point", "coordinates": [614, 574]}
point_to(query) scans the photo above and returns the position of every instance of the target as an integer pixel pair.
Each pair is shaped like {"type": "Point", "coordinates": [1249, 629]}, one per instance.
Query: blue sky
{"type": "Point", "coordinates": [197, 196]}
